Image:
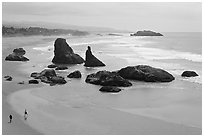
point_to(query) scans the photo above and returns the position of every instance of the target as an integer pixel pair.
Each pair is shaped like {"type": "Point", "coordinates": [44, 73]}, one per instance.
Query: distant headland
{"type": "Point", "coordinates": [13, 31]}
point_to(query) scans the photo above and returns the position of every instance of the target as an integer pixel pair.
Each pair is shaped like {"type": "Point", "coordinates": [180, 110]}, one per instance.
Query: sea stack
{"type": "Point", "coordinates": [91, 60]}
{"type": "Point", "coordinates": [146, 33]}
{"type": "Point", "coordinates": [64, 54]}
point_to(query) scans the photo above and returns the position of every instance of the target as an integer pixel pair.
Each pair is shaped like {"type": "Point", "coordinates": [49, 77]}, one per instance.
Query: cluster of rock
{"type": "Point", "coordinates": [146, 33]}
{"type": "Point", "coordinates": [107, 78]}
{"type": "Point", "coordinates": [49, 76]}
{"type": "Point", "coordinates": [110, 81]}
{"type": "Point", "coordinates": [120, 78]}
{"type": "Point", "coordinates": [64, 54]}
{"type": "Point", "coordinates": [17, 55]}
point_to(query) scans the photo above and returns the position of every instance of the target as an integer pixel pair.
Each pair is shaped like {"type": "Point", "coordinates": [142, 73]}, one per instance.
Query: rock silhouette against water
{"type": "Point", "coordinates": [17, 55]}
{"type": "Point", "coordinates": [91, 60]}
{"type": "Point", "coordinates": [145, 73]}
{"type": "Point", "coordinates": [146, 33]}
{"type": "Point", "coordinates": [107, 78]}
{"type": "Point", "coordinates": [189, 74]}
{"type": "Point", "coordinates": [63, 53]}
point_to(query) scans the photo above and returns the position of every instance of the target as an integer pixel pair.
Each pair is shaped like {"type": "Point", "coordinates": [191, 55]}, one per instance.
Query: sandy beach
{"type": "Point", "coordinates": [75, 114]}
{"type": "Point", "coordinates": [79, 108]}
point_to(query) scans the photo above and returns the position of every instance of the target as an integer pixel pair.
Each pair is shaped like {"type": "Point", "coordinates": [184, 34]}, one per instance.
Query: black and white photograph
{"type": "Point", "coordinates": [101, 68]}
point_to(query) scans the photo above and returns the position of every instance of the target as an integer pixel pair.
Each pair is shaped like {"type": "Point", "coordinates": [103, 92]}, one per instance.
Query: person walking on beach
{"type": "Point", "coordinates": [10, 118]}
{"type": "Point", "coordinates": [25, 115]}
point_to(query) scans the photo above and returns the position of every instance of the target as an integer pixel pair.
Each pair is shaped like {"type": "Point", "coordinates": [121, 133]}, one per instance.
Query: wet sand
{"type": "Point", "coordinates": [76, 113]}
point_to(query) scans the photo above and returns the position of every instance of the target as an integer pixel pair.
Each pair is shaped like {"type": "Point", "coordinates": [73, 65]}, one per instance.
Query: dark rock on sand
{"type": "Point", "coordinates": [61, 68]}
{"type": "Point", "coordinates": [33, 81]}
{"type": "Point", "coordinates": [48, 73]}
{"type": "Point", "coordinates": [22, 82]}
{"type": "Point", "coordinates": [146, 33]}
{"type": "Point", "coordinates": [91, 60]}
{"type": "Point", "coordinates": [17, 55]}
{"type": "Point", "coordinates": [107, 78]}
{"type": "Point", "coordinates": [75, 74]}
{"type": "Point", "coordinates": [189, 74]}
{"type": "Point", "coordinates": [8, 78]}
{"type": "Point", "coordinates": [58, 80]}
{"type": "Point", "coordinates": [110, 89]}
{"type": "Point", "coordinates": [145, 73]}
{"type": "Point", "coordinates": [49, 76]}
{"type": "Point", "coordinates": [52, 66]}
{"type": "Point", "coordinates": [64, 53]}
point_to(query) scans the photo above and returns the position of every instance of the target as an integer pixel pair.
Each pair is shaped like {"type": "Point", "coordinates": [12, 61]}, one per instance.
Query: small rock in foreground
{"type": "Point", "coordinates": [75, 74]}
{"type": "Point", "coordinates": [110, 89]}
{"type": "Point", "coordinates": [33, 81]}
{"type": "Point", "coordinates": [8, 78]}
{"type": "Point", "coordinates": [189, 74]}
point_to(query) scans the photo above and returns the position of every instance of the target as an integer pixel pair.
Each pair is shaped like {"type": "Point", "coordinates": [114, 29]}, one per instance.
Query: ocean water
{"type": "Point", "coordinates": [179, 101]}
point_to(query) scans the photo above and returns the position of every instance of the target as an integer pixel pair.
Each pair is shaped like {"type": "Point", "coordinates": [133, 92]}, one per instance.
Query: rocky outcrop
{"type": "Point", "coordinates": [91, 60]}
{"type": "Point", "coordinates": [75, 74]}
{"type": "Point", "coordinates": [110, 89]}
{"type": "Point", "coordinates": [17, 55]}
{"type": "Point", "coordinates": [145, 73]}
{"type": "Point", "coordinates": [49, 76]}
{"type": "Point", "coordinates": [63, 53]}
{"type": "Point", "coordinates": [146, 33]}
{"type": "Point", "coordinates": [189, 74]}
{"type": "Point", "coordinates": [8, 78]}
{"type": "Point", "coordinates": [61, 68]}
{"type": "Point", "coordinates": [107, 78]}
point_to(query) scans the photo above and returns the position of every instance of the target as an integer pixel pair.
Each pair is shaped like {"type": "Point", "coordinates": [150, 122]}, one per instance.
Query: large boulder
{"type": "Point", "coordinates": [189, 74]}
{"type": "Point", "coordinates": [17, 55]}
{"type": "Point", "coordinates": [63, 53]}
{"type": "Point", "coordinates": [75, 74]}
{"type": "Point", "coordinates": [107, 78]}
{"type": "Point", "coordinates": [146, 33]}
{"type": "Point", "coordinates": [91, 60]}
{"type": "Point", "coordinates": [145, 73]}
{"type": "Point", "coordinates": [110, 89]}
{"type": "Point", "coordinates": [49, 76]}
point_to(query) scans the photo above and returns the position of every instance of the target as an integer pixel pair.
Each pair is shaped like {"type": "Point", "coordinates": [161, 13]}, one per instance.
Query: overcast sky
{"type": "Point", "coordinates": [163, 17]}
